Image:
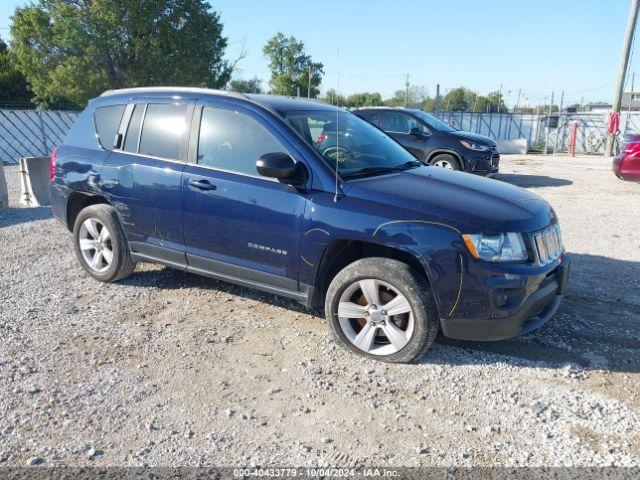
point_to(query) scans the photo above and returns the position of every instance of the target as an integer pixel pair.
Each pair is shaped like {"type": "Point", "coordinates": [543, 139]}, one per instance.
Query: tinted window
{"type": "Point", "coordinates": [231, 140]}
{"type": "Point", "coordinates": [133, 131]}
{"type": "Point", "coordinates": [162, 130]}
{"type": "Point", "coordinates": [398, 122]}
{"type": "Point", "coordinates": [107, 123]}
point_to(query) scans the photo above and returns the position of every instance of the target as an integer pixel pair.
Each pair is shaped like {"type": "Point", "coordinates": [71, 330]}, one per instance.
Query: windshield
{"type": "Point", "coordinates": [355, 146]}
{"type": "Point", "coordinates": [433, 122]}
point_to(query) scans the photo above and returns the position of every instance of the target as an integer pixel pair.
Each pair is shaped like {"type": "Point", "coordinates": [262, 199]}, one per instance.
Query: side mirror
{"type": "Point", "coordinates": [416, 132]}
{"type": "Point", "coordinates": [281, 166]}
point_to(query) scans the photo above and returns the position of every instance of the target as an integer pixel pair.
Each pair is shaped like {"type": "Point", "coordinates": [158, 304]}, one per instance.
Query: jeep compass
{"type": "Point", "coordinates": [238, 188]}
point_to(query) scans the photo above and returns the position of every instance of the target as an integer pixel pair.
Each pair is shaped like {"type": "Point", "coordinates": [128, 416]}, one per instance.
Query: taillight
{"type": "Point", "coordinates": [632, 147]}
{"type": "Point", "coordinates": [321, 138]}
{"type": "Point", "coordinates": [53, 161]}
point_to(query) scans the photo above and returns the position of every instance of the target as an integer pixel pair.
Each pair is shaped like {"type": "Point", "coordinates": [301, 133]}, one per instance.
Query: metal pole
{"type": "Point", "coordinates": [309, 84]}
{"type": "Point", "coordinates": [437, 97]}
{"type": "Point", "coordinates": [624, 62]}
{"type": "Point", "coordinates": [555, 145]}
{"type": "Point", "coordinates": [626, 121]}
{"type": "Point", "coordinates": [406, 92]}
{"type": "Point", "coordinates": [546, 130]}
{"type": "Point", "coordinates": [499, 97]}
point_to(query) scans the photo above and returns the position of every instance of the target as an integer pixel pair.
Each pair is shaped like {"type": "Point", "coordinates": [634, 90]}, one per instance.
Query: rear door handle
{"type": "Point", "coordinates": [202, 184]}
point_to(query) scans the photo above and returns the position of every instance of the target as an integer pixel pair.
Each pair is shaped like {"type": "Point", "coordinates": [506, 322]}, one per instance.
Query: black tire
{"type": "Point", "coordinates": [453, 161]}
{"type": "Point", "coordinates": [407, 281]}
{"type": "Point", "coordinates": [122, 265]}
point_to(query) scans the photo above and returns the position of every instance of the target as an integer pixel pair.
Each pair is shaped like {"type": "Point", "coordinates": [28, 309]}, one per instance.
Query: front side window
{"type": "Point", "coordinates": [232, 141]}
{"type": "Point", "coordinates": [162, 129]}
{"type": "Point", "coordinates": [352, 144]}
{"type": "Point", "coordinates": [107, 120]}
{"type": "Point", "coordinates": [398, 122]}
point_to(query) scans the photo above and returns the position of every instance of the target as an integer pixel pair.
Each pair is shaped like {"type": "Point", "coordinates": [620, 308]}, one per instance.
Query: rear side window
{"type": "Point", "coordinates": [107, 121]}
{"type": "Point", "coordinates": [133, 131]}
{"type": "Point", "coordinates": [233, 141]}
{"type": "Point", "coordinates": [162, 130]}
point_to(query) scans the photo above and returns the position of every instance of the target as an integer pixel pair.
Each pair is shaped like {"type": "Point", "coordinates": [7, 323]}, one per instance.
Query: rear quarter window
{"type": "Point", "coordinates": [107, 120]}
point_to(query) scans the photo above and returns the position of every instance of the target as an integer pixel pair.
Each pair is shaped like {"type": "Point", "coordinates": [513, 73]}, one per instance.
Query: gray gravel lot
{"type": "Point", "coordinates": [169, 369]}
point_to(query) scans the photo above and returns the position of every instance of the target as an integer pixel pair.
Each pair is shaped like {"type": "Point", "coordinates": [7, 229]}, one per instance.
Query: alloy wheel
{"type": "Point", "coordinates": [95, 245]}
{"type": "Point", "coordinates": [376, 317]}
{"type": "Point", "coordinates": [443, 164]}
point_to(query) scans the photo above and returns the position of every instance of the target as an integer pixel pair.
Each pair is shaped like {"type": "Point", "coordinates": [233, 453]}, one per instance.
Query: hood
{"type": "Point", "coordinates": [467, 202]}
{"type": "Point", "coordinates": [474, 137]}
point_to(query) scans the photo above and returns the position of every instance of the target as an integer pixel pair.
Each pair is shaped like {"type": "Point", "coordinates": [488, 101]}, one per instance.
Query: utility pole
{"type": "Point", "coordinates": [309, 84]}
{"type": "Point", "coordinates": [624, 63]}
{"type": "Point", "coordinates": [499, 97]}
{"type": "Point", "coordinates": [517, 101]}
{"type": "Point", "coordinates": [406, 92]}
{"type": "Point", "coordinates": [437, 97]}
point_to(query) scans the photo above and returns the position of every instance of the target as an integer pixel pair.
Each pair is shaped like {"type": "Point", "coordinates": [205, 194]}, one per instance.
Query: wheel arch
{"type": "Point", "coordinates": [441, 151]}
{"type": "Point", "coordinates": [341, 252]}
{"type": "Point", "coordinates": [77, 202]}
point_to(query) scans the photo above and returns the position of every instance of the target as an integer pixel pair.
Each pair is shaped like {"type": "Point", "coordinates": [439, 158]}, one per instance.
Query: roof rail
{"type": "Point", "coordinates": [170, 90]}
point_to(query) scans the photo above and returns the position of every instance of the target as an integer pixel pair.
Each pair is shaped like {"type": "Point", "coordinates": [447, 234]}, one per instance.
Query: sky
{"type": "Point", "coordinates": [537, 47]}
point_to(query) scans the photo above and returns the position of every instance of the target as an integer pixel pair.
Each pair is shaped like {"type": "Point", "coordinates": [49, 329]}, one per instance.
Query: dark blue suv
{"type": "Point", "coordinates": [235, 187]}
{"type": "Point", "coordinates": [435, 142]}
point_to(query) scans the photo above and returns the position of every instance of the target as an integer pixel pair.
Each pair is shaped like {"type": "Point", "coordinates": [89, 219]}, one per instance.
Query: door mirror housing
{"type": "Point", "coordinates": [281, 166]}
{"type": "Point", "coordinates": [416, 132]}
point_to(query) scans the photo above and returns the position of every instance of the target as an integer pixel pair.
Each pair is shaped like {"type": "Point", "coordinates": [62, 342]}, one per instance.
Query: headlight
{"type": "Point", "coordinates": [504, 247]}
{"type": "Point", "coordinates": [474, 146]}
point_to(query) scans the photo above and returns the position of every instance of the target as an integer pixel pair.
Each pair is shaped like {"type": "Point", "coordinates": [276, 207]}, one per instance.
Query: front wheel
{"type": "Point", "coordinates": [447, 161]}
{"type": "Point", "coordinates": [382, 308]}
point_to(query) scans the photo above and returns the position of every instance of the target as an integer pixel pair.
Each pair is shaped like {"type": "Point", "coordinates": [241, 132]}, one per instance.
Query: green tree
{"type": "Point", "coordinates": [490, 103]}
{"type": "Point", "coordinates": [13, 85]}
{"type": "Point", "coordinates": [364, 99]}
{"type": "Point", "coordinates": [332, 97]}
{"type": "Point", "coordinates": [458, 99]}
{"type": "Point", "coordinates": [69, 49]}
{"type": "Point", "coordinates": [251, 85]}
{"type": "Point", "coordinates": [290, 66]}
{"type": "Point", "coordinates": [415, 97]}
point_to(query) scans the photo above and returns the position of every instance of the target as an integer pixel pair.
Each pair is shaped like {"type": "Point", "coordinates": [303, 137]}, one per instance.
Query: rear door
{"type": "Point", "coordinates": [142, 178]}
{"type": "Point", "coordinates": [236, 222]}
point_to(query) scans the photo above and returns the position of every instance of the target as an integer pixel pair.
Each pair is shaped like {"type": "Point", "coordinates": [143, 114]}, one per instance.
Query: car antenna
{"type": "Point", "coordinates": [335, 198]}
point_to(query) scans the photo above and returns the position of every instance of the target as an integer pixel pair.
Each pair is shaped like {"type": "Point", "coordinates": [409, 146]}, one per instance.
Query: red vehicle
{"type": "Point", "coordinates": [626, 165]}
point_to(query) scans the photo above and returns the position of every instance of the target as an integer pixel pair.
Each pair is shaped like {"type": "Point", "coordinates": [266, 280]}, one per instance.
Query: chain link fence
{"type": "Point", "coordinates": [32, 133]}
{"type": "Point", "coordinates": [25, 132]}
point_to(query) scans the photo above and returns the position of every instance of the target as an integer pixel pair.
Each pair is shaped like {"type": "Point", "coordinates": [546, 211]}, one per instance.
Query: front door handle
{"type": "Point", "coordinates": [202, 184]}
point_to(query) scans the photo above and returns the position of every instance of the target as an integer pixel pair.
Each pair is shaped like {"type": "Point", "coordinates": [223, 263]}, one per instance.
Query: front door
{"type": "Point", "coordinates": [399, 125]}
{"type": "Point", "coordinates": [236, 222]}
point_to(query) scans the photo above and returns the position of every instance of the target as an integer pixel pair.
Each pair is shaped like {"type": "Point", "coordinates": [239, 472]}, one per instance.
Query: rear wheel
{"type": "Point", "coordinates": [444, 160]}
{"type": "Point", "coordinates": [382, 308]}
{"type": "Point", "coordinates": [100, 244]}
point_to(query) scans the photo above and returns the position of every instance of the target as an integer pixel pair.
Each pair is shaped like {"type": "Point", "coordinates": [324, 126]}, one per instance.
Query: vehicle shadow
{"type": "Point", "coordinates": [172, 279]}
{"type": "Point", "coordinates": [532, 181]}
{"type": "Point", "coordinates": [15, 216]}
{"type": "Point", "coordinates": [596, 328]}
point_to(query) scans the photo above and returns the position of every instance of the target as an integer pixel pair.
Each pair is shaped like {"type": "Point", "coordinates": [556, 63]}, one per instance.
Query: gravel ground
{"type": "Point", "coordinates": [169, 369]}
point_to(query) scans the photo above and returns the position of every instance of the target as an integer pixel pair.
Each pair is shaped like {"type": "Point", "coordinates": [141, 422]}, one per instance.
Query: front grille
{"type": "Point", "coordinates": [548, 244]}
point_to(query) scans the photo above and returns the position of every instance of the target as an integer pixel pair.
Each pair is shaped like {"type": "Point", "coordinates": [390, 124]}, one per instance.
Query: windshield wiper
{"type": "Point", "coordinates": [375, 170]}
{"type": "Point", "coordinates": [408, 165]}
{"type": "Point", "coordinates": [367, 171]}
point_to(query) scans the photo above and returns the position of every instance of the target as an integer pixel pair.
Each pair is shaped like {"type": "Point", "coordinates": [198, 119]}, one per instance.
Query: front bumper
{"type": "Point", "coordinates": [535, 311]}
{"type": "Point", "coordinates": [485, 164]}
